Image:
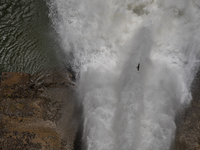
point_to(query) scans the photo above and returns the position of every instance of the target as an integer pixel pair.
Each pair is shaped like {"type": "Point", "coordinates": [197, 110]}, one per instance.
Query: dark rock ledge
{"type": "Point", "coordinates": [188, 122]}
{"type": "Point", "coordinates": [38, 111]}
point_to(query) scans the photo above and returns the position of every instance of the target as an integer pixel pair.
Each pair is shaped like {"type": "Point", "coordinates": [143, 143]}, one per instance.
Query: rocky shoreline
{"type": "Point", "coordinates": [38, 111]}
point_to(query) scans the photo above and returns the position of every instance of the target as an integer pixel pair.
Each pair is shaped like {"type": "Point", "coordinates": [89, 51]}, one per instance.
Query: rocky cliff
{"type": "Point", "coordinates": [38, 111]}
{"type": "Point", "coordinates": [188, 124]}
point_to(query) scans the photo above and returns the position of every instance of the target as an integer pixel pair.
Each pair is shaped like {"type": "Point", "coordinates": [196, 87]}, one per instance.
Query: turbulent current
{"type": "Point", "coordinates": [126, 108]}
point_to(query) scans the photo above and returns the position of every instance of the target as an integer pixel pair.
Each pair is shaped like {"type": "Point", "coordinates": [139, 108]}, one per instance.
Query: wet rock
{"type": "Point", "coordinates": [188, 126]}
{"type": "Point", "coordinates": [55, 77]}
{"type": "Point", "coordinates": [15, 85]}
{"type": "Point", "coordinates": [188, 133]}
{"type": "Point", "coordinates": [38, 111]}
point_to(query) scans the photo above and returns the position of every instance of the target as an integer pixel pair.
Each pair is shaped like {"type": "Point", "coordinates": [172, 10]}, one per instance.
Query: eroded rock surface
{"type": "Point", "coordinates": [188, 129]}
{"type": "Point", "coordinates": [38, 111]}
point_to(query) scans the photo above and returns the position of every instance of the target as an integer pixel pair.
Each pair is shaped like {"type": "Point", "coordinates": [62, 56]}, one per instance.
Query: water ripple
{"type": "Point", "coordinates": [25, 44]}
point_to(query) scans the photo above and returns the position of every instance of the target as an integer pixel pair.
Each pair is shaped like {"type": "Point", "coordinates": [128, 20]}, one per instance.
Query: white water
{"type": "Point", "coordinates": [126, 109]}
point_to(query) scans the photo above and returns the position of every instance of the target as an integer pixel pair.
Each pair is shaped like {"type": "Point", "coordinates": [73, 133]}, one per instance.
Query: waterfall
{"type": "Point", "coordinates": [126, 108]}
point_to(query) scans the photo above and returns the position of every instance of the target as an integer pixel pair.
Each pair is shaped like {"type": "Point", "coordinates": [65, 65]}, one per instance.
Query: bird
{"type": "Point", "coordinates": [138, 67]}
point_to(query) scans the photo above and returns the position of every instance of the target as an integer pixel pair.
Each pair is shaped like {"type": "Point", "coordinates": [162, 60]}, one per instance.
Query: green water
{"type": "Point", "coordinates": [27, 39]}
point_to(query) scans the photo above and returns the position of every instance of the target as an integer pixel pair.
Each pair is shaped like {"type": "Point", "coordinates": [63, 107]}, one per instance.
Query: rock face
{"type": "Point", "coordinates": [38, 111]}
{"type": "Point", "coordinates": [188, 129]}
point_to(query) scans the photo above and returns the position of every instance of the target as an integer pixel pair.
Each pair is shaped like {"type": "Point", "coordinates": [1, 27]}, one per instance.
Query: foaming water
{"type": "Point", "coordinates": [127, 109]}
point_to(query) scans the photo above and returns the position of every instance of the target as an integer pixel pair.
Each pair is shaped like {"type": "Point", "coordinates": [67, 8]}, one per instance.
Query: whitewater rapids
{"type": "Point", "coordinates": [127, 109]}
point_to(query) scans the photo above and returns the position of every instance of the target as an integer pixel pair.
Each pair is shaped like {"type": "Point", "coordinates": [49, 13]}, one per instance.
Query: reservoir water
{"type": "Point", "coordinates": [27, 40]}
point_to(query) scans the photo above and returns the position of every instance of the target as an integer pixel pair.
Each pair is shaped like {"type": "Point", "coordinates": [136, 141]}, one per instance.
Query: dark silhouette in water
{"type": "Point", "coordinates": [138, 67]}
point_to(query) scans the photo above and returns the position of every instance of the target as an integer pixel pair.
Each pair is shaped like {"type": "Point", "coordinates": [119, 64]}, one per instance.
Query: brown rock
{"type": "Point", "coordinates": [11, 78]}
{"type": "Point", "coordinates": [38, 111]}
{"type": "Point", "coordinates": [188, 126]}
{"type": "Point", "coordinates": [15, 85]}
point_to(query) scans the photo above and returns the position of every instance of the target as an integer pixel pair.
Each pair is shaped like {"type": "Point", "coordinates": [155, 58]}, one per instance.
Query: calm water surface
{"type": "Point", "coordinates": [27, 40]}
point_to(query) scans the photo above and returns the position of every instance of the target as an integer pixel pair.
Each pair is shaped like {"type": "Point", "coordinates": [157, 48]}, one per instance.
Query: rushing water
{"type": "Point", "coordinates": [127, 109]}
